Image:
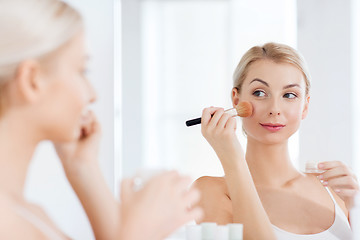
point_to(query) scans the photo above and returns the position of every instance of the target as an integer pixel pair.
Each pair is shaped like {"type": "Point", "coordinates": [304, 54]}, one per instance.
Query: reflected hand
{"type": "Point", "coordinates": [159, 208]}
{"type": "Point", "coordinates": [341, 179]}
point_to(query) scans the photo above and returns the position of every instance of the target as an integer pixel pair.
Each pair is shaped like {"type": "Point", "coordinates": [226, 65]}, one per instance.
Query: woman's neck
{"type": "Point", "coordinates": [17, 145]}
{"type": "Point", "coordinates": [270, 164]}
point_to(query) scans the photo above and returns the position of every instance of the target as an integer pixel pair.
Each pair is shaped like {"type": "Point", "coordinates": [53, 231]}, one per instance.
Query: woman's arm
{"type": "Point", "coordinates": [219, 131]}
{"type": "Point", "coordinates": [97, 200]}
{"type": "Point", "coordinates": [79, 159]}
{"type": "Point", "coordinates": [152, 213]}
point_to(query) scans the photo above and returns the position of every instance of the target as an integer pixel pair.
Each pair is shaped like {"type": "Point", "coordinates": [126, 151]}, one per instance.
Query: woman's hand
{"type": "Point", "coordinates": [219, 130]}
{"type": "Point", "coordinates": [159, 208]}
{"type": "Point", "coordinates": [80, 161]}
{"type": "Point", "coordinates": [341, 179]}
{"type": "Point", "coordinates": [83, 151]}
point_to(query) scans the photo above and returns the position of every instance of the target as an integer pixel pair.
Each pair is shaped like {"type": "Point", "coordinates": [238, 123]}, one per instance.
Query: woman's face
{"type": "Point", "coordinates": [277, 94]}
{"type": "Point", "coordinates": [68, 91]}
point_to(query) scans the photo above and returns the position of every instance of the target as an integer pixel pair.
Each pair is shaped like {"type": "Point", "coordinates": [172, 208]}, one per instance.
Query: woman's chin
{"type": "Point", "coordinates": [270, 139]}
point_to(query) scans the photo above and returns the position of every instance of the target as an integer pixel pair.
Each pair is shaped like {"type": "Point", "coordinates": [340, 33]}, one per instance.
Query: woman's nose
{"type": "Point", "coordinates": [274, 108]}
{"type": "Point", "coordinates": [274, 113]}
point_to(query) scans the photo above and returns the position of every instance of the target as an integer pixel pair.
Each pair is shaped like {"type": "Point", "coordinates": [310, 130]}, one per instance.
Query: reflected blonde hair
{"type": "Point", "coordinates": [31, 29]}
{"type": "Point", "coordinates": [279, 53]}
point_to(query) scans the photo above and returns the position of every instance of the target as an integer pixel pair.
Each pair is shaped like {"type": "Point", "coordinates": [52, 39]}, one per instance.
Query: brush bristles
{"type": "Point", "coordinates": [244, 109]}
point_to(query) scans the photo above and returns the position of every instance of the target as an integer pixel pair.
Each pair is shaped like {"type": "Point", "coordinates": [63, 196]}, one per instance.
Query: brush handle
{"type": "Point", "coordinates": [193, 122]}
{"type": "Point", "coordinates": [196, 121]}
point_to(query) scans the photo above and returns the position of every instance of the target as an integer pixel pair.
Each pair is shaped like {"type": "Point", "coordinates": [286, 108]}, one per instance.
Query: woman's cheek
{"type": "Point", "coordinates": [80, 91]}
{"type": "Point", "coordinates": [250, 124]}
{"type": "Point", "coordinates": [260, 112]}
{"type": "Point", "coordinates": [294, 113]}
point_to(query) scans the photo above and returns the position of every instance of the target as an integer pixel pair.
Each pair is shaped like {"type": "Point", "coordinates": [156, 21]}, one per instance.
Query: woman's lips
{"type": "Point", "coordinates": [272, 127]}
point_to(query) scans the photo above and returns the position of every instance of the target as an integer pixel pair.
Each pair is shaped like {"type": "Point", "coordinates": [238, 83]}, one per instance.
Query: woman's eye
{"type": "Point", "coordinates": [290, 95]}
{"type": "Point", "coordinates": [259, 93]}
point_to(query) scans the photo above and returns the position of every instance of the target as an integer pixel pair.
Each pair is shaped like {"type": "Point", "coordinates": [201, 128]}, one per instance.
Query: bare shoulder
{"type": "Point", "coordinates": [214, 200]}
{"type": "Point", "coordinates": [211, 184]}
{"type": "Point", "coordinates": [13, 226]}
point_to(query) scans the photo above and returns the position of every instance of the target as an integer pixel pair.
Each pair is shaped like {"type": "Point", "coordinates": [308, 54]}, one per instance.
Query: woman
{"type": "Point", "coordinates": [261, 188]}
{"type": "Point", "coordinates": [44, 95]}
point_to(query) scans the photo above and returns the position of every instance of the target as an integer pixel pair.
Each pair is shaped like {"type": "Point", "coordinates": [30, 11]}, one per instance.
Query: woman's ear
{"type": "Point", "coordinates": [28, 81]}
{"type": "Point", "coordinates": [306, 107]}
{"type": "Point", "coordinates": [235, 96]}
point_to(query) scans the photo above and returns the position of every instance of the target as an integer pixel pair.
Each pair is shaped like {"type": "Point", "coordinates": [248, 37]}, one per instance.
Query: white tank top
{"type": "Point", "coordinates": [37, 222]}
{"type": "Point", "coordinates": [339, 230]}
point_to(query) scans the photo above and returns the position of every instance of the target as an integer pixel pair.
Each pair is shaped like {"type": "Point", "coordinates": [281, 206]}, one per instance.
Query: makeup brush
{"type": "Point", "coordinates": [243, 109]}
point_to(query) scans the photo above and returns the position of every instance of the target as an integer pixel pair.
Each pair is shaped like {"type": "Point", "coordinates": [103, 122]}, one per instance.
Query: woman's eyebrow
{"type": "Point", "coordinates": [292, 85]}
{"type": "Point", "coordinates": [259, 80]}
{"type": "Point", "coordinates": [266, 84]}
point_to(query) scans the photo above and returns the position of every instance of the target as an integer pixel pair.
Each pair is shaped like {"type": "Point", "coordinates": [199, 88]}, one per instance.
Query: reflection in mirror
{"type": "Point", "coordinates": [189, 50]}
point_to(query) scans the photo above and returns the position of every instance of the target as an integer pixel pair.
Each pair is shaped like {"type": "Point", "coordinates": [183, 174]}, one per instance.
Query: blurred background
{"type": "Point", "coordinates": [157, 63]}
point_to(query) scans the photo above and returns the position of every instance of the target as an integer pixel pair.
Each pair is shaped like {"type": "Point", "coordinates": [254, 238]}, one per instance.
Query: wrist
{"type": "Point", "coordinates": [76, 171]}
{"type": "Point", "coordinates": [129, 228]}
{"type": "Point", "coordinates": [231, 157]}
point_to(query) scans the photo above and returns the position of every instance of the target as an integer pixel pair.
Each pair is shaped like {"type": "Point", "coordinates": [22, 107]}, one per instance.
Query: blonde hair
{"type": "Point", "coordinates": [31, 29]}
{"type": "Point", "coordinates": [279, 53]}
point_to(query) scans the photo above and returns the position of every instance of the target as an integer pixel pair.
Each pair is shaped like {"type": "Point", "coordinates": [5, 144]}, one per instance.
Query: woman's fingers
{"type": "Point", "coordinates": [164, 204]}
{"type": "Point", "coordinates": [207, 115]}
{"type": "Point", "coordinates": [90, 124]}
{"type": "Point", "coordinates": [183, 183]}
{"type": "Point", "coordinates": [191, 197]}
{"type": "Point", "coordinates": [334, 172]}
{"type": "Point", "coordinates": [336, 169]}
{"type": "Point", "coordinates": [223, 120]}
{"type": "Point", "coordinates": [341, 179]}
{"type": "Point", "coordinates": [194, 214]}
{"type": "Point", "coordinates": [95, 125]}
{"type": "Point", "coordinates": [329, 165]}
{"type": "Point", "coordinates": [341, 182]}
{"type": "Point", "coordinates": [231, 124]}
{"type": "Point", "coordinates": [346, 193]}
{"type": "Point", "coordinates": [215, 118]}
{"type": "Point", "coordinates": [86, 124]}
